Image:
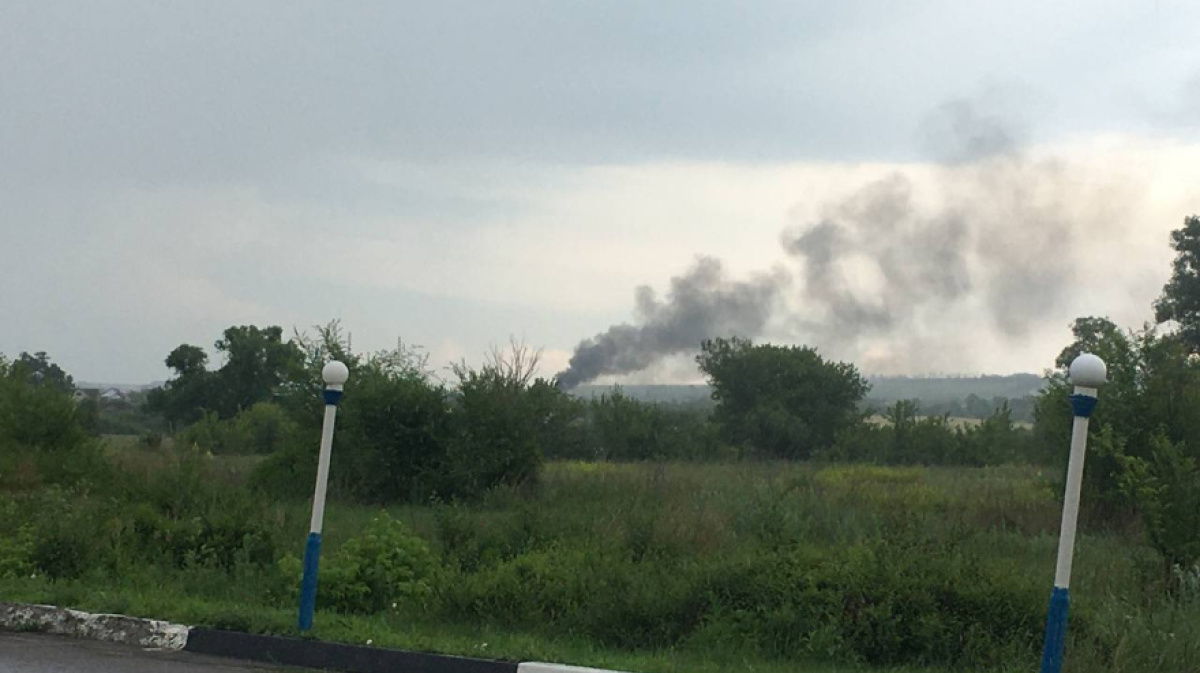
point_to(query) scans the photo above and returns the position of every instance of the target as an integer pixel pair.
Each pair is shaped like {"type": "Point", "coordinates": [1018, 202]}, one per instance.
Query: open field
{"type": "Point", "coordinates": [679, 564]}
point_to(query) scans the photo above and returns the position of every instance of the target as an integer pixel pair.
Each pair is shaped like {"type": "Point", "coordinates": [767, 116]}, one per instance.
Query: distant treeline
{"type": "Point", "coordinates": [962, 397]}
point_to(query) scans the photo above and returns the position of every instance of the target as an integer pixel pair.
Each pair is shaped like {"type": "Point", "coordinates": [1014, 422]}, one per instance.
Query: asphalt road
{"type": "Point", "coordinates": [37, 653]}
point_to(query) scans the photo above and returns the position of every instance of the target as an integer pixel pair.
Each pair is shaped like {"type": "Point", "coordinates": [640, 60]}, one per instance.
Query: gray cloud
{"type": "Point", "coordinates": [239, 92]}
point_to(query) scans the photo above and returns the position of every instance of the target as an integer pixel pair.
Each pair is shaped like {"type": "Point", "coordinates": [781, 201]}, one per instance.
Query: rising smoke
{"type": "Point", "coordinates": [701, 303]}
{"type": "Point", "coordinates": [994, 234]}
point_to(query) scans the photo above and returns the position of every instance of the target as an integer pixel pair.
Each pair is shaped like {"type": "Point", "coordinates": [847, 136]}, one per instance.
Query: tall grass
{"type": "Point", "coordinates": [661, 567]}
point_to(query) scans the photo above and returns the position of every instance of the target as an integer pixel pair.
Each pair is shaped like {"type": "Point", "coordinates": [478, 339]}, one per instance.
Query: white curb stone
{"type": "Point", "coordinates": [112, 628]}
{"type": "Point", "coordinates": [538, 667]}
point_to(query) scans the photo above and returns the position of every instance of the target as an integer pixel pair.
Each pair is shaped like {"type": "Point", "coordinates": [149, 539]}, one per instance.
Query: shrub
{"type": "Point", "coordinates": [262, 429]}
{"type": "Point", "coordinates": [623, 428]}
{"type": "Point", "coordinates": [390, 441]}
{"type": "Point", "coordinates": [42, 439]}
{"type": "Point", "coordinates": [16, 552]}
{"type": "Point", "coordinates": [67, 539]}
{"type": "Point", "coordinates": [784, 402]}
{"type": "Point", "coordinates": [380, 569]}
{"type": "Point", "coordinates": [495, 435]}
{"type": "Point", "coordinates": [897, 600]}
{"type": "Point", "coordinates": [1165, 488]}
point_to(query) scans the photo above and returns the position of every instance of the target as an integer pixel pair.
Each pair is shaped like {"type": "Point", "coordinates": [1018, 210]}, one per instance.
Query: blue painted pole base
{"type": "Point", "coordinates": [1056, 631]}
{"type": "Point", "coordinates": [308, 586]}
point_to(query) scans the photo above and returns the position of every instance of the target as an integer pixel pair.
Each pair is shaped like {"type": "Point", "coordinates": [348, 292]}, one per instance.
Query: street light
{"type": "Point", "coordinates": [335, 375]}
{"type": "Point", "coordinates": [1087, 373]}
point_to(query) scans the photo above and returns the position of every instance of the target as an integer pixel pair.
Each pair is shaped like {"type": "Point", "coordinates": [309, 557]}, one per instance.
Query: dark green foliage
{"type": "Point", "coordinates": [381, 569]}
{"type": "Point", "coordinates": [264, 428]}
{"type": "Point", "coordinates": [880, 602]}
{"type": "Point", "coordinates": [784, 402]}
{"type": "Point", "coordinates": [1180, 300]}
{"type": "Point", "coordinates": [402, 437]}
{"type": "Point", "coordinates": [42, 438]}
{"type": "Point", "coordinates": [1165, 488]}
{"type": "Point", "coordinates": [622, 428]}
{"type": "Point", "coordinates": [563, 429]}
{"type": "Point", "coordinates": [495, 432]}
{"type": "Point", "coordinates": [1145, 433]}
{"type": "Point", "coordinates": [64, 538]}
{"type": "Point", "coordinates": [174, 516]}
{"type": "Point", "coordinates": [905, 437]}
{"type": "Point", "coordinates": [390, 444]}
{"type": "Point", "coordinates": [190, 394]}
{"type": "Point", "coordinates": [392, 428]}
{"type": "Point", "coordinates": [258, 364]}
{"type": "Point", "coordinates": [38, 370]}
{"type": "Point", "coordinates": [1153, 391]}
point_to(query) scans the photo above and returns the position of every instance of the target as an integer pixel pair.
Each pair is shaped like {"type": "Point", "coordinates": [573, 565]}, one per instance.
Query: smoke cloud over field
{"type": "Point", "coordinates": [990, 230]}
{"type": "Point", "coordinates": [701, 303]}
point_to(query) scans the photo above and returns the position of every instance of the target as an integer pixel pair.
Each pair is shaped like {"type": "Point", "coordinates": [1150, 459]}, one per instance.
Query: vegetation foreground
{"type": "Point", "coordinates": [648, 566]}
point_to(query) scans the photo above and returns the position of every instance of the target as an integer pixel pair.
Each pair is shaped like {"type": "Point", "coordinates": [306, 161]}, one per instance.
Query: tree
{"type": "Point", "coordinates": [257, 363]}
{"type": "Point", "coordinates": [40, 371]}
{"type": "Point", "coordinates": [189, 394]}
{"type": "Point", "coordinates": [783, 401]}
{"type": "Point", "coordinates": [41, 438]}
{"type": "Point", "coordinates": [1180, 300]}
{"type": "Point", "coordinates": [258, 366]}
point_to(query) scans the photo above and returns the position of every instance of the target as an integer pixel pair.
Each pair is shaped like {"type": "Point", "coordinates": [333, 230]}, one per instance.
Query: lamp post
{"type": "Point", "coordinates": [1087, 373]}
{"type": "Point", "coordinates": [335, 375]}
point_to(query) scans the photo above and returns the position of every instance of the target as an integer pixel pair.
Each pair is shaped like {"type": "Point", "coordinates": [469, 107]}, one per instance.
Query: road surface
{"type": "Point", "coordinates": [37, 653]}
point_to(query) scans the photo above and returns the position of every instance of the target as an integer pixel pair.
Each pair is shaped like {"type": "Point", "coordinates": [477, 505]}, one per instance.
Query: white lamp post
{"type": "Point", "coordinates": [1087, 373]}
{"type": "Point", "coordinates": [335, 375]}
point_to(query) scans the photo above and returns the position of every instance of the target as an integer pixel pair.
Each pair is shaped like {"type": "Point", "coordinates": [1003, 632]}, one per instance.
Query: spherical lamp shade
{"type": "Point", "coordinates": [335, 373]}
{"type": "Point", "coordinates": [1088, 371]}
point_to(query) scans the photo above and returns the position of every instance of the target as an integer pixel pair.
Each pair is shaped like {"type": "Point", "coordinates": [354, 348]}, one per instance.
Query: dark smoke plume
{"type": "Point", "coordinates": [700, 304]}
{"type": "Point", "coordinates": [886, 266]}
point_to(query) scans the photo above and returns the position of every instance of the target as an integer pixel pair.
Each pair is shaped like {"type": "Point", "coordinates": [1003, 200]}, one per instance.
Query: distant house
{"type": "Point", "coordinates": [114, 395]}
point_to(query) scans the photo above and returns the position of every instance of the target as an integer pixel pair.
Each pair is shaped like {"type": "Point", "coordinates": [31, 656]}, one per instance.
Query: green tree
{"type": "Point", "coordinates": [189, 394]}
{"type": "Point", "coordinates": [39, 370]}
{"type": "Point", "coordinates": [257, 364]}
{"type": "Point", "coordinates": [783, 401]}
{"type": "Point", "coordinates": [1180, 300]}
{"type": "Point", "coordinates": [41, 437]}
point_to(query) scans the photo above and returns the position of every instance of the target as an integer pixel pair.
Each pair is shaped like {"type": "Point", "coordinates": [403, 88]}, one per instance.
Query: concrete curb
{"type": "Point", "coordinates": [152, 633]}
{"type": "Point", "coordinates": [111, 628]}
{"type": "Point", "coordinates": [537, 667]}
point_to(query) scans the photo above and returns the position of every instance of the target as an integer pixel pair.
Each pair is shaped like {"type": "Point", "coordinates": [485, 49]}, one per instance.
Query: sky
{"type": "Point", "coordinates": [922, 187]}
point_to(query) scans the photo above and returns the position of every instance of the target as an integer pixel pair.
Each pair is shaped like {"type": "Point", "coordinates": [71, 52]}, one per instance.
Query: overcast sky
{"type": "Point", "coordinates": [453, 173]}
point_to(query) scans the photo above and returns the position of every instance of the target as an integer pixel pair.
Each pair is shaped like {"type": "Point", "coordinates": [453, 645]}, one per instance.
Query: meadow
{"type": "Point", "coordinates": [646, 566]}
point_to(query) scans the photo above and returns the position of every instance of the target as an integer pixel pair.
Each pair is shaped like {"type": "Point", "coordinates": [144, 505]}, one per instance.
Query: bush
{"type": "Point", "coordinates": [495, 435]}
{"type": "Point", "coordinates": [784, 402]}
{"type": "Point", "coordinates": [390, 443]}
{"type": "Point", "coordinates": [66, 538]}
{"type": "Point", "coordinates": [907, 438]}
{"type": "Point", "coordinates": [623, 428]}
{"type": "Point", "coordinates": [900, 600]}
{"type": "Point", "coordinates": [42, 440]}
{"type": "Point", "coordinates": [1165, 488]}
{"type": "Point", "coordinates": [262, 429]}
{"type": "Point", "coordinates": [381, 569]}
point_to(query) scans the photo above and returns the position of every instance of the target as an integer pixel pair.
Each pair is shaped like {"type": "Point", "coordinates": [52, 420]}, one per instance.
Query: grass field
{"type": "Point", "coordinates": [521, 570]}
